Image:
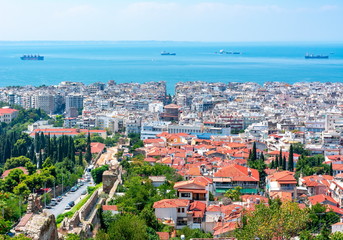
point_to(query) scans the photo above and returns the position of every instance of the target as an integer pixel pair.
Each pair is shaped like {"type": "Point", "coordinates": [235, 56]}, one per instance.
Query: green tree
{"type": "Point", "coordinates": [21, 190]}
{"type": "Point", "coordinates": [128, 227]}
{"type": "Point", "coordinates": [234, 194]}
{"type": "Point", "coordinates": [273, 222]}
{"type": "Point", "coordinates": [88, 155]}
{"type": "Point", "coordinates": [253, 153]}
{"type": "Point", "coordinates": [291, 159]}
{"type": "Point", "coordinates": [16, 162]}
{"type": "Point", "coordinates": [97, 173]}
{"type": "Point", "coordinates": [336, 236]}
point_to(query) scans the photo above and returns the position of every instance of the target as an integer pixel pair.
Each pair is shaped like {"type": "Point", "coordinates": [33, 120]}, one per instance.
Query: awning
{"type": "Point", "coordinates": [192, 190]}
{"type": "Point", "coordinates": [222, 190]}
{"type": "Point", "coordinates": [244, 190]}
{"type": "Point", "coordinates": [248, 190]}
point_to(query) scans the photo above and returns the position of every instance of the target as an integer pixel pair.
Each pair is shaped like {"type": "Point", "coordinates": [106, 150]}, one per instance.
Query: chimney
{"type": "Point", "coordinates": [249, 172]}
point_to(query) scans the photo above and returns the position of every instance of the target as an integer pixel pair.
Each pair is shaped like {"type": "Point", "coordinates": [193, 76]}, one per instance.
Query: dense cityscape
{"type": "Point", "coordinates": [211, 161]}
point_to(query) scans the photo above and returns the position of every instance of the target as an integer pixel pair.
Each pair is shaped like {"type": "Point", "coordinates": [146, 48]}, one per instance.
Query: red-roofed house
{"type": "Point", "coordinates": [112, 208]}
{"type": "Point", "coordinates": [281, 182]}
{"type": "Point", "coordinates": [194, 189]}
{"type": "Point", "coordinates": [322, 199]}
{"type": "Point", "coordinates": [174, 210]}
{"type": "Point", "coordinates": [236, 175]}
{"type": "Point", "coordinates": [97, 147]}
{"type": "Point", "coordinates": [316, 184]}
{"type": "Point", "coordinates": [8, 114]}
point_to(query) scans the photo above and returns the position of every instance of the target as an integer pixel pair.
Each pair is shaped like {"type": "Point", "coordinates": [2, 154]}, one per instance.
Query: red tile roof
{"type": "Point", "coordinates": [238, 173]}
{"type": "Point", "coordinates": [109, 208]}
{"type": "Point", "coordinates": [97, 147]}
{"type": "Point", "coordinates": [5, 174]}
{"type": "Point", "coordinates": [171, 203]}
{"type": "Point", "coordinates": [321, 198]}
{"type": "Point", "coordinates": [7, 110]}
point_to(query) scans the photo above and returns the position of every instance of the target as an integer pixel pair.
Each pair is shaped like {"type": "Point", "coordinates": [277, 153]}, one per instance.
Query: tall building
{"type": "Point", "coordinates": [74, 102]}
{"type": "Point", "coordinates": [44, 102]}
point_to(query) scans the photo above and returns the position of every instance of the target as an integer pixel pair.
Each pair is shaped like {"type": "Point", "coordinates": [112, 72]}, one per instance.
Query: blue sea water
{"type": "Point", "coordinates": [89, 62]}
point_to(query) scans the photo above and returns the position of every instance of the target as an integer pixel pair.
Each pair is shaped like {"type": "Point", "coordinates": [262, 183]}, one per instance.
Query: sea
{"type": "Point", "coordinates": [124, 62]}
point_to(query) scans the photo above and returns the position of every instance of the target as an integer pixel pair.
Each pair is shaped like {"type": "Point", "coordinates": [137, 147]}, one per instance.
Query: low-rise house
{"type": "Point", "coordinates": [196, 189]}
{"type": "Point", "coordinates": [8, 114]}
{"type": "Point", "coordinates": [112, 208]}
{"type": "Point", "coordinates": [172, 211]}
{"type": "Point", "coordinates": [321, 199]}
{"type": "Point", "coordinates": [316, 184]}
{"type": "Point", "coordinates": [236, 175]}
{"type": "Point", "coordinates": [281, 182]}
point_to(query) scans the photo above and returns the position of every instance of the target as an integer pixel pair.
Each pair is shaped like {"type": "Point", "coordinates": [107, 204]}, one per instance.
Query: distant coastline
{"type": "Point", "coordinates": [140, 61]}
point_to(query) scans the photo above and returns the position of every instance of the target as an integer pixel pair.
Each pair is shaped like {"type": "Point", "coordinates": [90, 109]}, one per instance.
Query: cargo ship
{"type": "Point", "coordinates": [310, 56]}
{"type": "Point", "coordinates": [32, 57]}
{"type": "Point", "coordinates": [167, 53]}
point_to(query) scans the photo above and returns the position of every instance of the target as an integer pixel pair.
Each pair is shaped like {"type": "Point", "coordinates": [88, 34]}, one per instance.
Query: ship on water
{"type": "Point", "coordinates": [167, 53]}
{"type": "Point", "coordinates": [222, 51]}
{"type": "Point", "coordinates": [32, 57]}
{"type": "Point", "coordinates": [312, 56]}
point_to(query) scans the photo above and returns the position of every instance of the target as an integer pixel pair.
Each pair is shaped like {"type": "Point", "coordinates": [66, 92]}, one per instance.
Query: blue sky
{"type": "Point", "coordinates": [178, 20]}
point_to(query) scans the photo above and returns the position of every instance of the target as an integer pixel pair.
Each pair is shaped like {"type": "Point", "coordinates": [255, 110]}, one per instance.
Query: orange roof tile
{"type": "Point", "coordinates": [171, 203]}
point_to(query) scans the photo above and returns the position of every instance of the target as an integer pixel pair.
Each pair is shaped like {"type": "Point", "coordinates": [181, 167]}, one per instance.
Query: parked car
{"type": "Point", "coordinates": [73, 189]}
{"type": "Point", "coordinates": [53, 202]}
{"type": "Point", "coordinates": [67, 207]}
{"type": "Point", "coordinates": [84, 192]}
{"type": "Point", "coordinates": [59, 198]}
{"type": "Point", "coordinates": [48, 207]}
{"type": "Point", "coordinates": [71, 203]}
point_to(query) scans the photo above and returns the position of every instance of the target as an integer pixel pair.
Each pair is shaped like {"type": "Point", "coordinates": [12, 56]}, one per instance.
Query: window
{"type": "Point", "coordinates": [178, 210]}
{"type": "Point", "coordinates": [182, 210]}
{"type": "Point", "coordinates": [185, 195]}
{"type": "Point", "coordinates": [181, 221]}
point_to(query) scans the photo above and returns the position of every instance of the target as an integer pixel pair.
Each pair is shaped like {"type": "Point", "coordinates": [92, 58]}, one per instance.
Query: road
{"type": "Point", "coordinates": [70, 196]}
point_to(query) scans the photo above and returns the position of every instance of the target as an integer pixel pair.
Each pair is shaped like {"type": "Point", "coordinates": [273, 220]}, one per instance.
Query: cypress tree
{"type": "Point", "coordinates": [291, 159]}
{"type": "Point", "coordinates": [254, 152]}
{"type": "Point", "coordinates": [72, 151]}
{"type": "Point", "coordinates": [88, 155]}
{"type": "Point", "coordinates": [272, 165]}
{"type": "Point", "coordinates": [37, 142]}
{"type": "Point", "coordinates": [277, 163]}
{"type": "Point", "coordinates": [40, 160]}
{"type": "Point", "coordinates": [331, 170]}
{"type": "Point", "coordinates": [250, 154]}
{"type": "Point", "coordinates": [80, 158]}
{"type": "Point", "coordinates": [280, 158]}
{"type": "Point", "coordinates": [284, 163]}
{"type": "Point", "coordinates": [262, 157]}
{"type": "Point", "coordinates": [42, 140]}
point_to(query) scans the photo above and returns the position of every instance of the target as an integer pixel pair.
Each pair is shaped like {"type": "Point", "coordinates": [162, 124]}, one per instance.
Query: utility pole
{"type": "Point", "coordinates": [54, 190]}
{"type": "Point", "coordinates": [45, 195]}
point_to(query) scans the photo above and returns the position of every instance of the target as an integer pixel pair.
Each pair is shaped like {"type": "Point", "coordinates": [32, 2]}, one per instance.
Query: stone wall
{"type": "Point", "coordinates": [41, 227]}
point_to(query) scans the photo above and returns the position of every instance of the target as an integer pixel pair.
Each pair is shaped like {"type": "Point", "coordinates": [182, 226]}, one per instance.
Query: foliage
{"type": "Point", "coordinates": [299, 149]}
{"type": "Point", "coordinates": [193, 233]}
{"type": "Point", "coordinates": [311, 165]}
{"type": "Point", "coordinates": [234, 194]}
{"type": "Point", "coordinates": [126, 227]}
{"type": "Point", "coordinates": [135, 141]}
{"type": "Point", "coordinates": [336, 236]}
{"type": "Point", "coordinates": [17, 237]}
{"type": "Point", "coordinates": [97, 173]}
{"type": "Point", "coordinates": [16, 162]}
{"type": "Point", "coordinates": [275, 221]}
{"type": "Point", "coordinates": [321, 220]}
